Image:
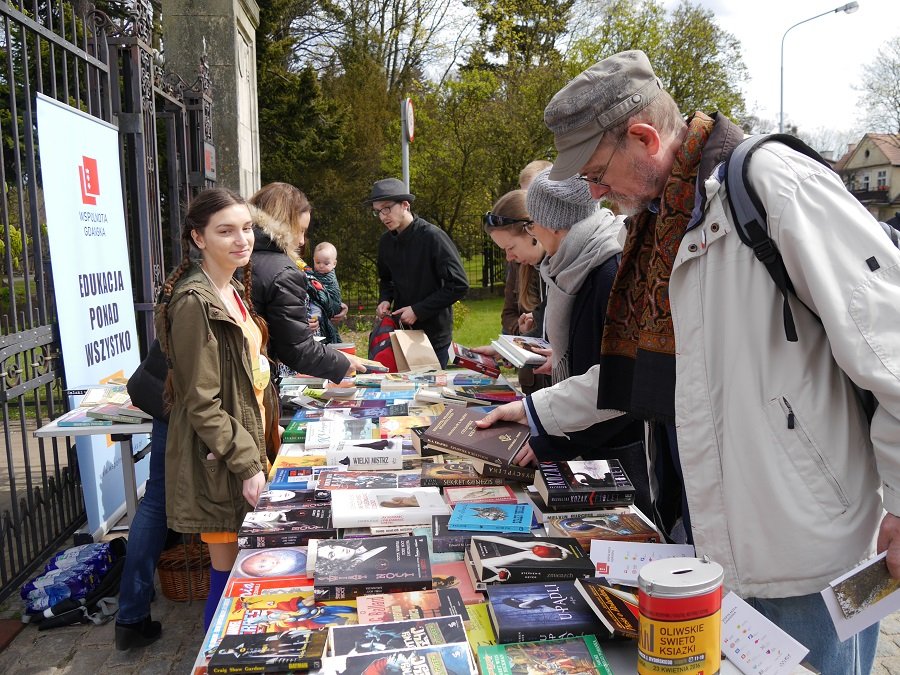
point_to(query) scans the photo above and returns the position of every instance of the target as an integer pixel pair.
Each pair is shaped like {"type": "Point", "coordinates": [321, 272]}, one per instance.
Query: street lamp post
{"type": "Point", "coordinates": [849, 8]}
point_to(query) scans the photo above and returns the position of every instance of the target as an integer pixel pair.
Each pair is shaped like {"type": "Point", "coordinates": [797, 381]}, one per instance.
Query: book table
{"type": "Point", "coordinates": [121, 433]}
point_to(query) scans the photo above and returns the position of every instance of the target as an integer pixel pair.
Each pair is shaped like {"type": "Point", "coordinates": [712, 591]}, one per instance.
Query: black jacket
{"type": "Point", "coordinates": [279, 297]}
{"type": "Point", "coordinates": [421, 267]}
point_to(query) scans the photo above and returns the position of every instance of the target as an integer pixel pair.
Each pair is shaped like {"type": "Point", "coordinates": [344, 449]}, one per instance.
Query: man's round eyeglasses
{"type": "Point", "coordinates": [598, 181]}
{"type": "Point", "coordinates": [384, 210]}
{"type": "Point", "coordinates": [493, 220]}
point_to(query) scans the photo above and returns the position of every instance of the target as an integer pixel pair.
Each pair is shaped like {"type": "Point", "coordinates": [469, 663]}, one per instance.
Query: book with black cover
{"type": "Point", "coordinates": [501, 559]}
{"type": "Point", "coordinates": [541, 611]}
{"type": "Point", "coordinates": [294, 527]}
{"type": "Point", "coordinates": [455, 472]}
{"type": "Point", "coordinates": [618, 610]}
{"type": "Point", "coordinates": [445, 540]}
{"type": "Point", "coordinates": [348, 568]}
{"type": "Point", "coordinates": [455, 430]}
{"type": "Point", "coordinates": [291, 650]}
{"type": "Point", "coordinates": [280, 500]}
{"type": "Point", "coordinates": [580, 483]}
{"type": "Point", "coordinates": [441, 630]}
{"type": "Point", "coordinates": [504, 472]}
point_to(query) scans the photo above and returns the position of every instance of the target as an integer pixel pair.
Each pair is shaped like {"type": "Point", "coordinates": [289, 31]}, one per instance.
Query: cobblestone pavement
{"type": "Point", "coordinates": [89, 649]}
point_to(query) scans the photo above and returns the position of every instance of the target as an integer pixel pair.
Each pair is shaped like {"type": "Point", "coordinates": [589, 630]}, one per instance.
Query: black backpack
{"type": "Point", "coordinates": [750, 217]}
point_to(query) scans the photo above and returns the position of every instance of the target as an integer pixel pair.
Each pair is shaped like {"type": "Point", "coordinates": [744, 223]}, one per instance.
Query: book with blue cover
{"type": "Point", "coordinates": [379, 395]}
{"type": "Point", "coordinates": [514, 518]}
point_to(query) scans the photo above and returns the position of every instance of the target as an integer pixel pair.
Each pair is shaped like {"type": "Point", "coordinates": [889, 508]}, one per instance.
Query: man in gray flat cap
{"type": "Point", "coordinates": [762, 454]}
{"type": "Point", "coordinates": [419, 269]}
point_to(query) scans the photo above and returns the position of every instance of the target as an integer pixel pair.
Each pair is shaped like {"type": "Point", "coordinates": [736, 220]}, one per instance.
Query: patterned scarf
{"type": "Point", "coordinates": [638, 349]}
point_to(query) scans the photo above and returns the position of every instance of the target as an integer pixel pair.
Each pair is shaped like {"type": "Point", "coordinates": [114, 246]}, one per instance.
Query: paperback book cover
{"type": "Point", "coordinates": [580, 483]}
{"type": "Point", "coordinates": [486, 494]}
{"type": "Point", "coordinates": [479, 630]}
{"type": "Point", "coordinates": [99, 394]}
{"type": "Point", "coordinates": [455, 472]}
{"type": "Point", "coordinates": [296, 460]}
{"type": "Point", "coordinates": [540, 611]}
{"type": "Point", "coordinates": [328, 433]}
{"type": "Point", "coordinates": [288, 651]}
{"type": "Point", "coordinates": [259, 571]}
{"type": "Point", "coordinates": [463, 379]}
{"type": "Point", "coordinates": [618, 610]}
{"type": "Point", "coordinates": [350, 640]}
{"type": "Point", "coordinates": [367, 480]}
{"type": "Point", "coordinates": [463, 357]}
{"type": "Point", "coordinates": [402, 506]}
{"type": "Point", "coordinates": [455, 430]}
{"type": "Point", "coordinates": [506, 560]}
{"type": "Point", "coordinates": [542, 511]}
{"type": "Point", "coordinates": [348, 568]}
{"type": "Point", "coordinates": [452, 659]}
{"type": "Point", "coordinates": [125, 413]}
{"type": "Point", "coordinates": [361, 455]}
{"type": "Point", "coordinates": [79, 418]}
{"type": "Point", "coordinates": [378, 609]}
{"type": "Point", "coordinates": [519, 350]}
{"type": "Point", "coordinates": [445, 540]}
{"type": "Point", "coordinates": [290, 478]}
{"type": "Point", "coordinates": [280, 499]}
{"type": "Point", "coordinates": [400, 426]}
{"type": "Point", "coordinates": [570, 656]}
{"type": "Point", "coordinates": [267, 529]}
{"type": "Point", "coordinates": [275, 613]}
{"type": "Point", "coordinates": [622, 524]}
{"type": "Point", "coordinates": [455, 575]}
{"type": "Point", "coordinates": [495, 393]}
{"type": "Point", "coordinates": [514, 518]}
{"type": "Point", "coordinates": [392, 396]}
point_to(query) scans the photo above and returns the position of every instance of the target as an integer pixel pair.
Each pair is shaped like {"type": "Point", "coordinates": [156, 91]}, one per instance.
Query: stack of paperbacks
{"type": "Point", "coordinates": [104, 405]}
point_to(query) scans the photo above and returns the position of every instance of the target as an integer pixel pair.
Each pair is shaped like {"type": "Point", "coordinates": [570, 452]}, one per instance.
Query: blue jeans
{"type": "Point", "coordinates": [806, 619]}
{"type": "Point", "coordinates": [146, 536]}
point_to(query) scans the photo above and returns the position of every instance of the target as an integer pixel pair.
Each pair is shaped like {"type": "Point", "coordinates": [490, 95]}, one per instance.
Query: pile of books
{"type": "Point", "coordinates": [396, 535]}
{"type": "Point", "coordinates": [103, 405]}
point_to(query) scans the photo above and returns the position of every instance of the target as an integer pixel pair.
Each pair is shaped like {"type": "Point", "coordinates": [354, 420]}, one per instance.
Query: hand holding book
{"type": "Point", "coordinates": [510, 412]}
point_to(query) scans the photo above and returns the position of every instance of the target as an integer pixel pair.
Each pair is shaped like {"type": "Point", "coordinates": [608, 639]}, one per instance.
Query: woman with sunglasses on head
{"type": "Point", "coordinates": [505, 224]}
{"type": "Point", "coordinates": [223, 407]}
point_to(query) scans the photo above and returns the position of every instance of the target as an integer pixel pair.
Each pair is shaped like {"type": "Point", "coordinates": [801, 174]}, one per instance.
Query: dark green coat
{"type": "Point", "coordinates": [214, 411]}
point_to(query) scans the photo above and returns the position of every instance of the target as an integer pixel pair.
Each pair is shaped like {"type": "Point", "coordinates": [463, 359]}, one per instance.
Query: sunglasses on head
{"type": "Point", "coordinates": [493, 220]}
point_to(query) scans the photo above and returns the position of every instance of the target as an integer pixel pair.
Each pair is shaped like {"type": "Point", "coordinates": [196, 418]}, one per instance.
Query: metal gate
{"type": "Point", "coordinates": [107, 67]}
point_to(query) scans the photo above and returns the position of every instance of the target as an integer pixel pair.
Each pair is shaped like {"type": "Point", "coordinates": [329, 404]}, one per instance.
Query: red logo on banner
{"type": "Point", "coordinates": [90, 180]}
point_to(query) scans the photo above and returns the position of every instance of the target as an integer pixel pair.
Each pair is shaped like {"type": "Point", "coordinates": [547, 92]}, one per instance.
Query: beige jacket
{"type": "Point", "coordinates": [784, 510]}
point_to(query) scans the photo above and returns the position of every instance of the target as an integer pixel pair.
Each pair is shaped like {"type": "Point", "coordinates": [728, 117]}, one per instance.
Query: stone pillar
{"type": "Point", "coordinates": [226, 29]}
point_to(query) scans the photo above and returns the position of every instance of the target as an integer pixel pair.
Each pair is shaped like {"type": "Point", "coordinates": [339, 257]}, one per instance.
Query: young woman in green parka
{"type": "Point", "coordinates": [218, 386]}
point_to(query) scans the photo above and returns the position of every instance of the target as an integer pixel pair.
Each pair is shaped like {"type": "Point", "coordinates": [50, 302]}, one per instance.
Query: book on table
{"type": "Point", "coordinates": [514, 518]}
{"type": "Point", "coordinates": [376, 609]}
{"type": "Point", "coordinates": [519, 349]}
{"type": "Point", "coordinates": [365, 639]}
{"type": "Point", "coordinates": [463, 357]}
{"type": "Point", "coordinates": [326, 433]}
{"type": "Point", "coordinates": [367, 480]}
{"type": "Point", "coordinates": [497, 394]}
{"type": "Point", "coordinates": [541, 611]}
{"type": "Point", "coordinates": [280, 500]}
{"type": "Point", "coordinates": [257, 571]}
{"type": "Point", "coordinates": [99, 394]}
{"type": "Point", "coordinates": [504, 472]}
{"type": "Point", "coordinates": [400, 426]}
{"type": "Point", "coordinates": [617, 609]}
{"type": "Point", "coordinates": [348, 568]}
{"type": "Point", "coordinates": [445, 540]}
{"type": "Point", "coordinates": [625, 523]}
{"type": "Point", "coordinates": [451, 471]}
{"type": "Point", "coordinates": [483, 494]}
{"type": "Point", "coordinates": [455, 430]}
{"type": "Point", "coordinates": [124, 413]}
{"type": "Point", "coordinates": [450, 659]}
{"type": "Point", "coordinates": [454, 575]}
{"type": "Point", "coordinates": [400, 506]}
{"type": "Point", "coordinates": [363, 455]}
{"type": "Point", "coordinates": [479, 630]}
{"type": "Point", "coordinates": [569, 656]}
{"type": "Point", "coordinates": [595, 482]}
{"type": "Point", "coordinates": [294, 527]}
{"type": "Point", "coordinates": [78, 417]}
{"type": "Point", "coordinates": [287, 651]}
{"type": "Point", "coordinates": [499, 559]}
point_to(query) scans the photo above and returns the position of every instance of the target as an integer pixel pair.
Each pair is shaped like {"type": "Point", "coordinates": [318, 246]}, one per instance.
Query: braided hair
{"type": "Point", "coordinates": [201, 209]}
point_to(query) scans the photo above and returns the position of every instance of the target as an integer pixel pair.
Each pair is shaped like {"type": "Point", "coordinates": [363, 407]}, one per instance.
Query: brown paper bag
{"type": "Point", "coordinates": [413, 351]}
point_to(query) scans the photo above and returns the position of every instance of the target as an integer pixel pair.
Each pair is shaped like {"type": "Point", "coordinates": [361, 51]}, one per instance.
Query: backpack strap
{"type": "Point", "coordinates": [750, 217]}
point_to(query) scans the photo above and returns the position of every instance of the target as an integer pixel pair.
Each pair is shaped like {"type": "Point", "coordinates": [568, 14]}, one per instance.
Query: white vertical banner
{"type": "Point", "coordinates": [91, 280]}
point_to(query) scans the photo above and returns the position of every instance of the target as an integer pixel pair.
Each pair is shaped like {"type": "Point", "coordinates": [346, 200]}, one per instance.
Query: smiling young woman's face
{"type": "Point", "coordinates": [227, 240]}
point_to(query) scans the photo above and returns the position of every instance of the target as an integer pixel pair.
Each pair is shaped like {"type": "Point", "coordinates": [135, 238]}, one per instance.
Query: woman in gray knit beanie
{"type": "Point", "coordinates": [582, 243]}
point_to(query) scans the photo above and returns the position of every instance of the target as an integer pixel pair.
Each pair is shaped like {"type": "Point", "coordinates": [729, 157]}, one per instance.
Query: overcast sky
{"type": "Point", "coordinates": [823, 58]}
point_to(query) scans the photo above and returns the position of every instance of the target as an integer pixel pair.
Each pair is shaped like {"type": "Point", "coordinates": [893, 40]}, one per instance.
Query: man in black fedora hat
{"type": "Point", "coordinates": [419, 269]}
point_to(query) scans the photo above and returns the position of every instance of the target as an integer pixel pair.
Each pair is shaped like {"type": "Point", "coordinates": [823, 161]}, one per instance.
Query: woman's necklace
{"type": "Point", "coordinates": [227, 296]}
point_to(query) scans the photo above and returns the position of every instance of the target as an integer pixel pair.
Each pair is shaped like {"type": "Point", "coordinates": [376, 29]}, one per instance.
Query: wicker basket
{"type": "Point", "coordinates": [184, 572]}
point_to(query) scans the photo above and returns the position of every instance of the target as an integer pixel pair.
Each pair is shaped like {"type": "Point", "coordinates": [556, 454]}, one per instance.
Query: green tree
{"type": "Point", "coordinates": [522, 32]}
